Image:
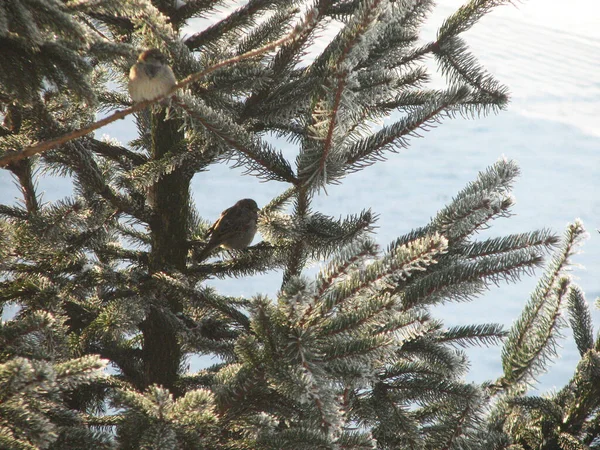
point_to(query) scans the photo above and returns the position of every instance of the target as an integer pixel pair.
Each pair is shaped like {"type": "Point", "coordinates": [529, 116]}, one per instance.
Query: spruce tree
{"type": "Point", "coordinates": [111, 289]}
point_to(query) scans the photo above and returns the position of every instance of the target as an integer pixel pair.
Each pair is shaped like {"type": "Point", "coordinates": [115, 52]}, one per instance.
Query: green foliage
{"type": "Point", "coordinates": [353, 359]}
{"type": "Point", "coordinates": [154, 420]}
{"type": "Point", "coordinates": [33, 413]}
{"type": "Point", "coordinates": [531, 341]}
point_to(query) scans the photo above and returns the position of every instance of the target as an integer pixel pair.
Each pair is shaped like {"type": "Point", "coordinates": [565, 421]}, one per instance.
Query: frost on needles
{"type": "Point", "coordinates": [105, 296]}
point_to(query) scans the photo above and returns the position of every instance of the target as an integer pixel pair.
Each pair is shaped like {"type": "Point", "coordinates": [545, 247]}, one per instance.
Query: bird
{"type": "Point", "coordinates": [234, 229]}
{"type": "Point", "coordinates": [150, 77]}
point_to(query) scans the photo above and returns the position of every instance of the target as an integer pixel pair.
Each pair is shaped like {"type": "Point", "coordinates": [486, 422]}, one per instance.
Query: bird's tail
{"type": "Point", "coordinates": [206, 251]}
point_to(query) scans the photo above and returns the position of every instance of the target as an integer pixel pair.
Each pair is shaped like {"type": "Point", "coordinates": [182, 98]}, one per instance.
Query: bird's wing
{"type": "Point", "coordinates": [222, 219]}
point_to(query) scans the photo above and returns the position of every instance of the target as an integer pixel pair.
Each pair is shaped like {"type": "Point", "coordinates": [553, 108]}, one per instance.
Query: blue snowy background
{"type": "Point", "coordinates": [547, 53]}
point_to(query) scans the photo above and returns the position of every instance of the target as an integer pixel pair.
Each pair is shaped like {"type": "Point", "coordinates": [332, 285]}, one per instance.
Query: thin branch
{"type": "Point", "coordinates": [334, 112]}
{"type": "Point", "coordinates": [341, 79]}
{"type": "Point", "coordinates": [117, 153]}
{"type": "Point", "coordinates": [406, 131]}
{"type": "Point", "coordinates": [54, 143]}
{"type": "Point", "coordinates": [432, 47]}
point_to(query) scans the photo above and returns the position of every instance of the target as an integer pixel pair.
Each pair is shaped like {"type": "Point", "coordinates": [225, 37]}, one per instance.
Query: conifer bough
{"type": "Point", "coordinates": [354, 358]}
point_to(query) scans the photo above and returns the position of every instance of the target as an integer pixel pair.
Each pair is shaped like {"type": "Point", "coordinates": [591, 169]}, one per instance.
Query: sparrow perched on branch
{"type": "Point", "coordinates": [150, 77]}
{"type": "Point", "coordinates": [234, 230]}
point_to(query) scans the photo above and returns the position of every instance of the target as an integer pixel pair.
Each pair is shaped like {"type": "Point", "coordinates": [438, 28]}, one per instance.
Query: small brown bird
{"type": "Point", "coordinates": [150, 77]}
{"type": "Point", "coordinates": [234, 230]}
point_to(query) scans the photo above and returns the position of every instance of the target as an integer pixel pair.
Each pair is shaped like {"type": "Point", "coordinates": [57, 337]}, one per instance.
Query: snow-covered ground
{"type": "Point", "coordinates": [546, 52]}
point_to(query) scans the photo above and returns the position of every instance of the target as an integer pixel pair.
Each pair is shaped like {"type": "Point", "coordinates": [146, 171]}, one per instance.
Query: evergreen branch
{"type": "Point", "coordinates": [357, 319]}
{"type": "Point", "coordinates": [320, 162]}
{"type": "Point", "coordinates": [580, 320]}
{"type": "Point", "coordinates": [23, 170]}
{"type": "Point", "coordinates": [10, 291]}
{"type": "Point", "coordinates": [548, 407]}
{"type": "Point", "coordinates": [468, 335]}
{"type": "Point", "coordinates": [132, 234]}
{"type": "Point", "coordinates": [210, 336]}
{"type": "Point", "coordinates": [57, 142]}
{"type": "Point", "coordinates": [496, 179]}
{"type": "Point", "coordinates": [258, 157]}
{"type": "Point", "coordinates": [349, 348]}
{"type": "Point", "coordinates": [121, 155]}
{"type": "Point", "coordinates": [402, 263]}
{"type": "Point", "coordinates": [339, 266]}
{"type": "Point", "coordinates": [265, 330]}
{"type": "Point", "coordinates": [441, 359]}
{"type": "Point", "coordinates": [230, 85]}
{"type": "Point", "coordinates": [320, 234]}
{"type": "Point", "coordinates": [280, 108]}
{"type": "Point", "coordinates": [358, 27]}
{"type": "Point", "coordinates": [103, 421]}
{"type": "Point", "coordinates": [297, 437]}
{"type": "Point", "coordinates": [121, 23]}
{"type": "Point", "coordinates": [297, 253]}
{"type": "Point", "coordinates": [278, 202]}
{"type": "Point", "coordinates": [94, 28]}
{"type": "Point", "coordinates": [355, 439]}
{"type": "Point", "coordinates": [525, 350]}
{"type": "Point", "coordinates": [409, 368]}
{"type": "Point", "coordinates": [419, 53]}
{"type": "Point", "coordinates": [462, 67]}
{"type": "Point", "coordinates": [372, 82]}
{"type": "Point", "coordinates": [81, 160]}
{"type": "Point", "coordinates": [413, 235]}
{"type": "Point", "coordinates": [463, 217]}
{"type": "Point", "coordinates": [74, 372]}
{"type": "Point", "coordinates": [466, 16]}
{"type": "Point", "coordinates": [152, 171]}
{"type": "Point", "coordinates": [193, 8]}
{"type": "Point", "coordinates": [570, 442]}
{"type": "Point", "coordinates": [434, 390]}
{"type": "Point", "coordinates": [328, 143]}
{"type": "Point", "coordinates": [243, 17]}
{"type": "Point", "coordinates": [13, 212]}
{"type": "Point", "coordinates": [532, 338]}
{"type": "Point", "coordinates": [462, 279]}
{"type": "Point", "coordinates": [117, 252]}
{"type": "Point", "coordinates": [259, 258]}
{"type": "Point", "coordinates": [369, 150]}
{"type": "Point", "coordinates": [153, 402]}
{"type": "Point", "coordinates": [539, 238]}
{"type": "Point", "coordinates": [323, 235]}
{"type": "Point", "coordinates": [224, 306]}
{"type": "Point", "coordinates": [9, 441]}
{"type": "Point", "coordinates": [410, 325]}
{"type": "Point", "coordinates": [459, 426]}
{"type": "Point", "coordinates": [467, 209]}
{"type": "Point", "coordinates": [581, 397]}
{"type": "Point", "coordinates": [14, 331]}
{"type": "Point", "coordinates": [196, 407]}
{"type": "Point", "coordinates": [477, 203]}
{"type": "Point", "coordinates": [32, 413]}
{"type": "Point", "coordinates": [378, 80]}
{"type": "Point", "coordinates": [283, 62]}
{"type": "Point", "coordinates": [401, 32]}
{"type": "Point", "coordinates": [336, 57]}
{"type": "Point", "coordinates": [269, 30]}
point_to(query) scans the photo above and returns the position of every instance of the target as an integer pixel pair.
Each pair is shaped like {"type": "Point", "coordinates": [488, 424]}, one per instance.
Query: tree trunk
{"type": "Point", "coordinates": [169, 228]}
